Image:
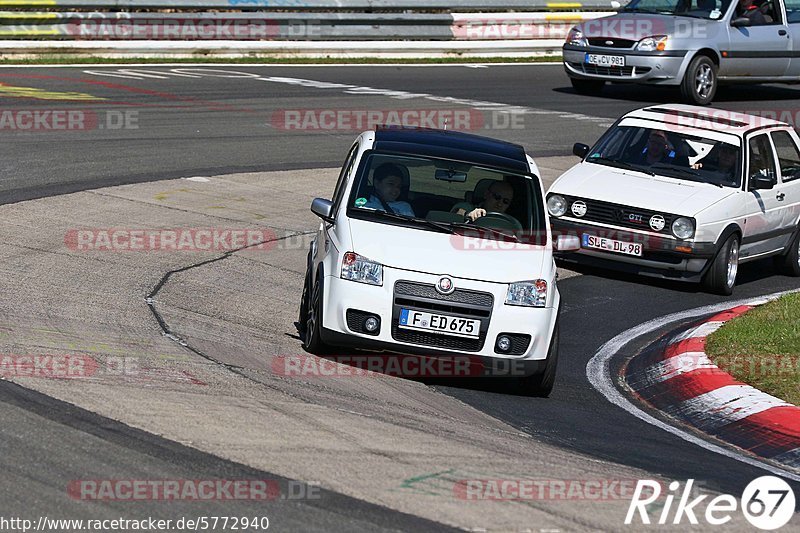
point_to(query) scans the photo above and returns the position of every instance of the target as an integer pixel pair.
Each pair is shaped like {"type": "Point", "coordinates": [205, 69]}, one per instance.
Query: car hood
{"type": "Point", "coordinates": [656, 193]}
{"type": "Point", "coordinates": [444, 254]}
{"type": "Point", "coordinates": [637, 26]}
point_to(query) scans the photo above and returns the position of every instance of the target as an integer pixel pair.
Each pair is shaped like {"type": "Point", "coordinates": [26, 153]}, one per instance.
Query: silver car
{"type": "Point", "coordinates": [694, 44]}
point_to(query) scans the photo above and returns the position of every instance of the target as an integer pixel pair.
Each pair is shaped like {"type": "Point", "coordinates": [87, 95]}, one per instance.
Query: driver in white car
{"type": "Point", "coordinates": [497, 199]}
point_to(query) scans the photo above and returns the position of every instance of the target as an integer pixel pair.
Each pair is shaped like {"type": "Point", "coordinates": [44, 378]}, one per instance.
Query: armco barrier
{"type": "Point", "coordinates": [289, 26]}
{"type": "Point", "coordinates": [286, 26]}
{"type": "Point", "coordinates": [294, 5]}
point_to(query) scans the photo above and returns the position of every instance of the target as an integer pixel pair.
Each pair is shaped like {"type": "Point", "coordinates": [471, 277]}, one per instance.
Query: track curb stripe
{"type": "Point", "coordinates": [680, 381]}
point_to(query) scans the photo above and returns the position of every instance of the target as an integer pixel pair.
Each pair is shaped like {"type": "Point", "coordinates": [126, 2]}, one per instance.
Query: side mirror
{"type": "Point", "coordinates": [740, 22]}
{"type": "Point", "coordinates": [323, 209]}
{"type": "Point", "coordinates": [759, 181]}
{"type": "Point", "coordinates": [567, 243]}
{"type": "Point", "coordinates": [581, 150]}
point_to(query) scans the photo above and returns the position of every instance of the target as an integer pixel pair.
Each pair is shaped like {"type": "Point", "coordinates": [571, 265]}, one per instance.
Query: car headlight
{"type": "Point", "coordinates": [683, 228]}
{"type": "Point", "coordinates": [652, 44]}
{"type": "Point", "coordinates": [575, 37]}
{"type": "Point", "coordinates": [527, 293]}
{"type": "Point", "coordinates": [361, 269]}
{"type": "Point", "coordinates": [556, 205]}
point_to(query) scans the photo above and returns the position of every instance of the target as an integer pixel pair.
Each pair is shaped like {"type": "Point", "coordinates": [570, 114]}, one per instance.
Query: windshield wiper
{"type": "Point", "coordinates": [621, 164]}
{"type": "Point", "coordinates": [639, 10]}
{"type": "Point", "coordinates": [686, 172]}
{"type": "Point", "coordinates": [473, 227]}
{"type": "Point", "coordinates": [444, 228]}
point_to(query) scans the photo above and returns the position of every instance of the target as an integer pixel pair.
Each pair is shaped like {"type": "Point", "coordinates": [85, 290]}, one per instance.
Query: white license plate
{"type": "Point", "coordinates": [444, 324]}
{"type": "Point", "coordinates": [605, 61]}
{"type": "Point", "coordinates": [610, 245]}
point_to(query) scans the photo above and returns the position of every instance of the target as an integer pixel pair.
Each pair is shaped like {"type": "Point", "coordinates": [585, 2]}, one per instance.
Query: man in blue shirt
{"type": "Point", "coordinates": [387, 182]}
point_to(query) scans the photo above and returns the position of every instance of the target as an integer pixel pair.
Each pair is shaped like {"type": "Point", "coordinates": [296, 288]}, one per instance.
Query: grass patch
{"type": "Point", "coordinates": [86, 60]}
{"type": "Point", "coordinates": [762, 348]}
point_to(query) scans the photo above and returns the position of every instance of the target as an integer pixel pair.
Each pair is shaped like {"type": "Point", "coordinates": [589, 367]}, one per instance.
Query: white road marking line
{"type": "Point", "coordinates": [482, 105]}
{"type": "Point", "coordinates": [704, 330]}
{"type": "Point", "coordinates": [717, 408]}
{"type": "Point", "coordinates": [599, 375]}
{"type": "Point", "coordinates": [675, 366]}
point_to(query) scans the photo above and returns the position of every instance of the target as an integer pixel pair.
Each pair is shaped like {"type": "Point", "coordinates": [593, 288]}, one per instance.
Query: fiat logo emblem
{"type": "Point", "coordinates": [578, 208]}
{"type": "Point", "coordinates": [445, 285]}
{"type": "Point", "coordinates": [657, 222]}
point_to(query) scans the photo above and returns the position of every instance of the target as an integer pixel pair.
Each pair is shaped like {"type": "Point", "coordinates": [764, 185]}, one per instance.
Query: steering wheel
{"type": "Point", "coordinates": [496, 216]}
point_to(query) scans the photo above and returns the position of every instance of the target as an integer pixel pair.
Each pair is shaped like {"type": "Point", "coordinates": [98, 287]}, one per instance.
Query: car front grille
{"type": "Point", "coordinates": [619, 215]}
{"type": "Point", "coordinates": [459, 296]}
{"type": "Point", "coordinates": [461, 302]}
{"type": "Point", "coordinates": [620, 72]}
{"type": "Point", "coordinates": [603, 42]}
{"type": "Point", "coordinates": [436, 340]}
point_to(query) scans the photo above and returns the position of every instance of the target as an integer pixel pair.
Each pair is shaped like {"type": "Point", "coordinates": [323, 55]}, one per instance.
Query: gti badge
{"type": "Point", "coordinates": [657, 222]}
{"type": "Point", "coordinates": [579, 208]}
{"type": "Point", "coordinates": [445, 285]}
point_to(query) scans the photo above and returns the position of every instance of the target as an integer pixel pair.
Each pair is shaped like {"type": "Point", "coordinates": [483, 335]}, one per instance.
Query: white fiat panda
{"type": "Point", "coordinates": [436, 243]}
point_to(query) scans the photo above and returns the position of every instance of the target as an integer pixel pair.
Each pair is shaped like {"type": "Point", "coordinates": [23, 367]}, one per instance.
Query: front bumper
{"type": "Point", "coordinates": [640, 67]}
{"type": "Point", "coordinates": [341, 296]}
{"type": "Point", "coordinates": [660, 254]}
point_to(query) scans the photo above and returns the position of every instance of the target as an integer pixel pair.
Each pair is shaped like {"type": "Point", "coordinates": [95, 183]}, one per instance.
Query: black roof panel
{"type": "Point", "coordinates": [453, 145]}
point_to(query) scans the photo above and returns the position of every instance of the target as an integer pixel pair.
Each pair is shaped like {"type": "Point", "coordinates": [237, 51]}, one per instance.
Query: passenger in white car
{"type": "Point", "coordinates": [387, 181]}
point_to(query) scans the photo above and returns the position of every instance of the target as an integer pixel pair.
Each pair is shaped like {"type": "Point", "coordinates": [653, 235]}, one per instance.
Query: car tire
{"type": "Point", "coordinates": [700, 83]}
{"type": "Point", "coordinates": [721, 276]}
{"type": "Point", "coordinates": [587, 87]}
{"type": "Point", "coordinates": [302, 315]}
{"type": "Point", "coordinates": [541, 384]}
{"type": "Point", "coordinates": [312, 339]}
{"type": "Point", "coordinates": [789, 263]}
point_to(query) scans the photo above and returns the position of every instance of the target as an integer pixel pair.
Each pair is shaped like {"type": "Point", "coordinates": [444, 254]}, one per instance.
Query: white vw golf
{"type": "Point", "coordinates": [685, 193]}
{"type": "Point", "coordinates": [436, 243]}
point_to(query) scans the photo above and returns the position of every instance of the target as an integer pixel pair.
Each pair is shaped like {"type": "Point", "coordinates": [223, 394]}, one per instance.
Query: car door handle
{"type": "Point", "coordinates": [780, 196]}
{"type": "Point", "coordinates": [781, 32]}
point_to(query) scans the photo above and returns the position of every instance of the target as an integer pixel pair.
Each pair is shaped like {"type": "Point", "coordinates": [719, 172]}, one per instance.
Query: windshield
{"type": "Point", "coordinates": [674, 154]}
{"type": "Point", "coordinates": [707, 9]}
{"type": "Point", "coordinates": [440, 195]}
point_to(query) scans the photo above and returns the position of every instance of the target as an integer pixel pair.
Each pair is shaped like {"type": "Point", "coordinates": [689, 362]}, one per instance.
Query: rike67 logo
{"type": "Point", "coordinates": [767, 503]}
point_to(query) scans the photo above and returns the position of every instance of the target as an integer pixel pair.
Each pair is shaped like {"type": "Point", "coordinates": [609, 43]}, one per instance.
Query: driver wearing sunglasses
{"type": "Point", "coordinates": [497, 199]}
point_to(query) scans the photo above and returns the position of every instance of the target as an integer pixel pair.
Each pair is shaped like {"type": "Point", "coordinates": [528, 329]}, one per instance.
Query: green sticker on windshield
{"type": "Point", "coordinates": [361, 202]}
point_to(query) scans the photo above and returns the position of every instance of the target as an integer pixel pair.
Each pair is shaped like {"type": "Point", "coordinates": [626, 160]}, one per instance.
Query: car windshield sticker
{"type": "Point", "coordinates": [361, 202]}
{"type": "Point", "coordinates": [714, 15]}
